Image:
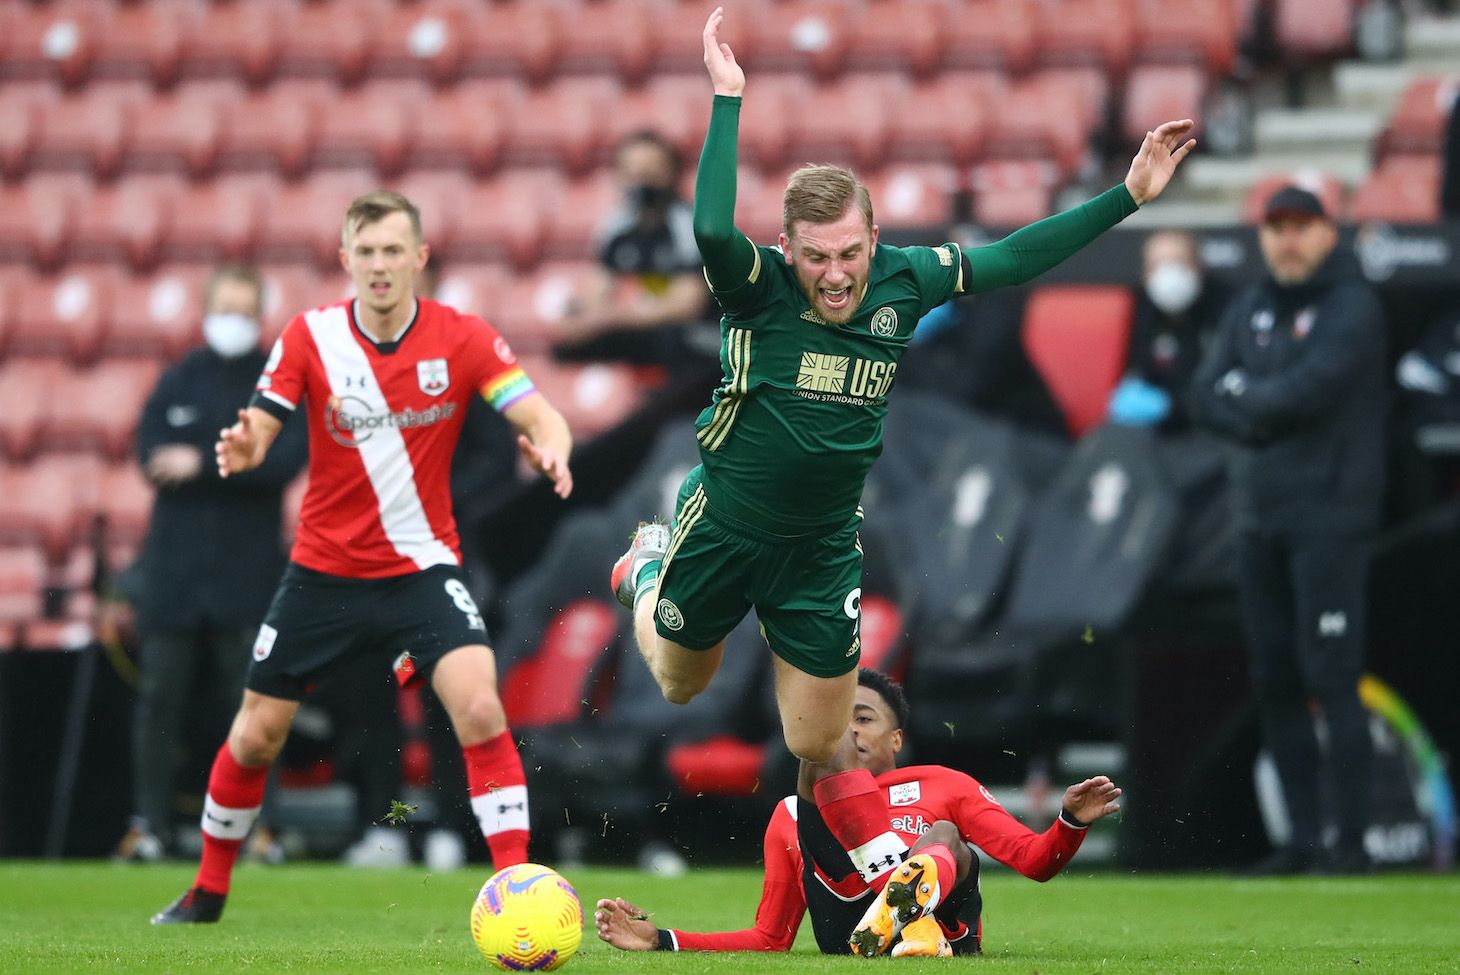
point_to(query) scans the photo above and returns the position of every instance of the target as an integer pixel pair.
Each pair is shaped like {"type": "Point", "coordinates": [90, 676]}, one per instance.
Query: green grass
{"type": "Point", "coordinates": [314, 918]}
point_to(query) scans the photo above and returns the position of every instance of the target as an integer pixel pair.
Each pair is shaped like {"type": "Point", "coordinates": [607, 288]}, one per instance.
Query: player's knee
{"type": "Point", "coordinates": [810, 745]}
{"type": "Point", "coordinates": [256, 743]}
{"type": "Point", "coordinates": [678, 691]}
{"type": "Point", "coordinates": [481, 718]}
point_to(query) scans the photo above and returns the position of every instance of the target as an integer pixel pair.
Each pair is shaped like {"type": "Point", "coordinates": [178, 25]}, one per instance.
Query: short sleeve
{"type": "Point", "coordinates": [280, 388]}
{"type": "Point", "coordinates": [501, 379]}
{"type": "Point", "coordinates": [939, 273]}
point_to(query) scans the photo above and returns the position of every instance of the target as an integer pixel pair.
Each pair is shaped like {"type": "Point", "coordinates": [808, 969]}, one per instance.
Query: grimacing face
{"type": "Point", "coordinates": [874, 727]}
{"type": "Point", "coordinates": [1294, 246]}
{"type": "Point", "coordinates": [832, 262]}
{"type": "Point", "coordinates": [383, 258]}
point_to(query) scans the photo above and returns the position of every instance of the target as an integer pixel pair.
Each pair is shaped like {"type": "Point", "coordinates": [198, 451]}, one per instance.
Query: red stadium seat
{"type": "Point", "coordinates": [145, 41]}
{"type": "Point", "coordinates": [550, 686]}
{"type": "Point", "coordinates": [515, 40]}
{"type": "Point", "coordinates": [532, 303]}
{"type": "Point", "coordinates": [237, 40]}
{"type": "Point", "coordinates": [48, 501]}
{"type": "Point", "coordinates": [1088, 32]}
{"type": "Point", "coordinates": [426, 40]}
{"type": "Point", "coordinates": [65, 314]}
{"type": "Point", "coordinates": [908, 36]}
{"type": "Point", "coordinates": [1326, 187]}
{"type": "Point", "coordinates": [219, 219]}
{"type": "Point", "coordinates": [1049, 115]}
{"type": "Point", "coordinates": [98, 408]}
{"type": "Point", "coordinates": [303, 220]}
{"type": "Point", "coordinates": [992, 34]}
{"type": "Point", "coordinates": [86, 132]}
{"type": "Point", "coordinates": [1418, 122]}
{"type": "Point", "coordinates": [271, 131]}
{"type": "Point", "coordinates": [758, 197]}
{"type": "Point", "coordinates": [37, 219]}
{"type": "Point", "coordinates": [27, 387]}
{"type": "Point", "coordinates": [465, 126]}
{"type": "Point", "coordinates": [126, 502]}
{"type": "Point", "coordinates": [1157, 93]}
{"type": "Point", "coordinates": [371, 126]}
{"type": "Point", "coordinates": [505, 218]}
{"type": "Point", "coordinates": [673, 106]}
{"type": "Point", "coordinates": [1307, 29]}
{"type": "Point", "coordinates": [54, 42]}
{"type": "Point", "coordinates": [563, 125]}
{"type": "Point", "coordinates": [945, 119]}
{"type": "Point", "coordinates": [126, 221]}
{"type": "Point", "coordinates": [329, 39]}
{"type": "Point", "coordinates": [804, 36]}
{"type": "Point", "coordinates": [820, 132]}
{"type": "Point", "coordinates": [159, 314]}
{"type": "Point", "coordinates": [592, 397]}
{"type": "Point", "coordinates": [916, 195]}
{"type": "Point", "coordinates": [1186, 32]}
{"type": "Point", "coordinates": [571, 226]}
{"type": "Point", "coordinates": [288, 290]}
{"type": "Point", "coordinates": [1404, 189]}
{"type": "Point", "coordinates": [440, 196]}
{"type": "Point", "coordinates": [474, 289]}
{"type": "Point", "coordinates": [1011, 194]}
{"type": "Point", "coordinates": [1077, 338]}
{"type": "Point", "coordinates": [722, 765]}
{"type": "Point", "coordinates": [768, 119]}
{"type": "Point", "coordinates": [20, 124]}
{"type": "Point", "coordinates": [23, 577]}
{"type": "Point", "coordinates": [673, 22]}
{"type": "Point", "coordinates": [176, 134]}
{"type": "Point", "coordinates": [609, 37]}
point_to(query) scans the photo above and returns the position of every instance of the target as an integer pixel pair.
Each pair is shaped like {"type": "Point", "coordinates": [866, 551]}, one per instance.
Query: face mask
{"type": "Point", "coordinates": [651, 197]}
{"type": "Point", "coordinates": [231, 335]}
{"type": "Point", "coordinates": [1172, 287]}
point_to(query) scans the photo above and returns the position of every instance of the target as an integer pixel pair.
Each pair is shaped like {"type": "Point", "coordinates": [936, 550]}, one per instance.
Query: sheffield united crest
{"type": "Point", "coordinates": [431, 376]}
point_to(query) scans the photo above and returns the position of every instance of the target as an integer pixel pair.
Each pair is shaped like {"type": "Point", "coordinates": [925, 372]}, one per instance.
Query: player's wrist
{"type": "Point", "coordinates": [1070, 819]}
{"type": "Point", "coordinates": [666, 940]}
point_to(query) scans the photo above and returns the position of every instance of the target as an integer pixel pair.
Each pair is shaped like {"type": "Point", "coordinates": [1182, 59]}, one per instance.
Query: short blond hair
{"type": "Point", "coordinates": [374, 207]}
{"type": "Point", "coordinates": [823, 194]}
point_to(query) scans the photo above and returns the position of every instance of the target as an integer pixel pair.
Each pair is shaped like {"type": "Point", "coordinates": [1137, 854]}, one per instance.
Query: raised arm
{"type": "Point", "coordinates": [728, 254]}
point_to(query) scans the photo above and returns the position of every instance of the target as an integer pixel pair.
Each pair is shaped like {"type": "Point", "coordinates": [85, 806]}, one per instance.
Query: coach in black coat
{"type": "Point", "coordinates": [213, 553]}
{"type": "Point", "coordinates": [1295, 380]}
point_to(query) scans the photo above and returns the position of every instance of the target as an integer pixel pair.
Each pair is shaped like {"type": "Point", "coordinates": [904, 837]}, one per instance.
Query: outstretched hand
{"type": "Point", "coordinates": [1157, 159]}
{"type": "Point", "coordinates": [237, 448]}
{"type": "Point", "coordinates": [547, 461]}
{"type": "Point", "coordinates": [624, 926]}
{"type": "Point", "coordinates": [1092, 799]}
{"type": "Point", "coordinates": [727, 76]}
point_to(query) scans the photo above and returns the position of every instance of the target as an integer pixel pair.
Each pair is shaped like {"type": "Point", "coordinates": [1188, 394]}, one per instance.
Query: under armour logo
{"type": "Point", "coordinates": [220, 822]}
{"type": "Point", "coordinates": [502, 808]}
{"type": "Point", "coordinates": [352, 381]}
{"type": "Point", "coordinates": [875, 867]}
{"type": "Point", "coordinates": [1333, 624]}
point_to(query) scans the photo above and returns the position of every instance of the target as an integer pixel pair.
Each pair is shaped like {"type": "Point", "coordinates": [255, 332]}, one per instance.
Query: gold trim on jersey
{"type": "Point", "coordinates": [755, 268]}
{"type": "Point", "coordinates": [737, 353]}
{"type": "Point", "coordinates": [684, 522]}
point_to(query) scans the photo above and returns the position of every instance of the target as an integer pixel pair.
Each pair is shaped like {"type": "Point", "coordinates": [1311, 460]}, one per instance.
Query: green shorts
{"type": "Point", "coordinates": [806, 591]}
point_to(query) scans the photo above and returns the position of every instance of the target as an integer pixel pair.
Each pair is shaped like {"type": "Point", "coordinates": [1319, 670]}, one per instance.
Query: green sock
{"type": "Point", "coordinates": [647, 579]}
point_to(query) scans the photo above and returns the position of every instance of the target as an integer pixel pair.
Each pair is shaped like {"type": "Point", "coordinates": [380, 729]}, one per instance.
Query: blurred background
{"type": "Point", "coordinates": [1042, 636]}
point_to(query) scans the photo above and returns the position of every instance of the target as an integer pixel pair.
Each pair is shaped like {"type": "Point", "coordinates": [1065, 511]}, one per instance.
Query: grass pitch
{"type": "Point", "coordinates": [91, 916]}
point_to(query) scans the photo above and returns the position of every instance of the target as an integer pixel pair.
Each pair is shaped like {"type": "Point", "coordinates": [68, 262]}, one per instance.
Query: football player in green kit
{"type": "Point", "coordinates": [811, 336]}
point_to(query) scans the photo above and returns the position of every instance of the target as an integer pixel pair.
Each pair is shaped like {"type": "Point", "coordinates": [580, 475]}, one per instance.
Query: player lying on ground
{"type": "Point", "coordinates": [810, 340]}
{"type": "Point", "coordinates": [877, 854]}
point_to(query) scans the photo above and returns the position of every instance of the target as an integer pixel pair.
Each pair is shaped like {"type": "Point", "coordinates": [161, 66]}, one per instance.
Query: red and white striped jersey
{"type": "Point", "coordinates": [383, 420]}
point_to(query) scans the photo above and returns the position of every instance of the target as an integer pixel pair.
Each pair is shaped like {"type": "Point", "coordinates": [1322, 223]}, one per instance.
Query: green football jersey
{"type": "Point", "coordinates": [797, 422]}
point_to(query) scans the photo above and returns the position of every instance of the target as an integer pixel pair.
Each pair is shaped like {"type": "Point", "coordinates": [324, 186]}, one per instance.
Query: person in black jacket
{"type": "Point", "coordinates": [213, 553]}
{"type": "Point", "coordinates": [1295, 379]}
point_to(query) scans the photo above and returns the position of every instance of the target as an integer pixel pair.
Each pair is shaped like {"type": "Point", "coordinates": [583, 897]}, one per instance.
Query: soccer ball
{"type": "Point", "coordinates": [527, 918]}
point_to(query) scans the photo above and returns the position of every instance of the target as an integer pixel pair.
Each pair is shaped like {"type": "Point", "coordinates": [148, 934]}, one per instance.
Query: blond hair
{"type": "Point", "coordinates": [240, 272]}
{"type": "Point", "coordinates": [823, 194]}
{"type": "Point", "coordinates": [374, 207]}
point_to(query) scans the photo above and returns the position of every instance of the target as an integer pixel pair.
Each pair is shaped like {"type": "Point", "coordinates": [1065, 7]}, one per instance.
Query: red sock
{"type": "Point", "coordinates": [854, 809]}
{"type": "Point", "coordinates": [235, 793]}
{"type": "Point", "coordinates": [947, 870]}
{"type": "Point", "coordinates": [498, 790]}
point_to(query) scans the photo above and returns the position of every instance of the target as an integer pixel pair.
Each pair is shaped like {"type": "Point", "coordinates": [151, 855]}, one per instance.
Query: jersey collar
{"type": "Point", "coordinates": [388, 347]}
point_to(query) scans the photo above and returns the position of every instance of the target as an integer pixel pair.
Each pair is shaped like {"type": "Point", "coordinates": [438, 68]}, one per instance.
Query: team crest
{"type": "Point", "coordinates": [904, 793]}
{"type": "Point", "coordinates": [263, 645]}
{"type": "Point", "coordinates": [432, 377]}
{"type": "Point", "coordinates": [670, 615]}
{"type": "Point", "coordinates": [1303, 322]}
{"type": "Point", "coordinates": [884, 322]}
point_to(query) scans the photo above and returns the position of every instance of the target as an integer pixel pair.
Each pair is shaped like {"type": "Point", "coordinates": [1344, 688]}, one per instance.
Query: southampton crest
{"type": "Point", "coordinates": [431, 376]}
{"type": "Point", "coordinates": [884, 322]}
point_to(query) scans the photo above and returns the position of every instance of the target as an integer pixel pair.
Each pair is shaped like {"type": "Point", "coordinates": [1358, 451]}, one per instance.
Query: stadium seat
{"type": "Point", "coordinates": [1417, 124]}
{"type": "Point", "coordinates": [768, 120]}
{"type": "Point", "coordinates": [758, 197]}
{"type": "Point", "coordinates": [914, 195]}
{"type": "Point", "coordinates": [533, 300]}
{"type": "Point", "coordinates": [513, 40]}
{"type": "Point", "coordinates": [991, 34]}
{"type": "Point", "coordinates": [802, 36]}
{"type": "Point", "coordinates": [329, 39]}
{"type": "Point", "coordinates": [145, 41]}
{"type": "Point", "coordinates": [464, 126]}
{"type": "Point", "coordinates": [673, 106]}
{"type": "Point", "coordinates": [562, 125]}
{"type": "Point", "coordinates": [126, 221]}
{"type": "Point", "coordinates": [424, 40]}
{"type": "Point", "coordinates": [176, 134]}
{"type": "Point", "coordinates": [27, 387]}
{"type": "Point", "coordinates": [219, 218]}
{"type": "Point", "coordinates": [88, 132]}
{"type": "Point", "coordinates": [592, 397]}
{"type": "Point", "coordinates": [270, 131]}
{"type": "Point", "coordinates": [1077, 338]}
{"type": "Point", "coordinates": [504, 219]}
{"type": "Point", "coordinates": [676, 20]}
{"type": "Point", "coordinates": [572, 222]}
{"type": "Point", "coordinates": [288, 290]}
{"type": "Point", "coordinates": [23, 576]}
{"type": "Point", "coordinates": [550, 686]}
{"type": "Point", "coordinates": [1048, 115]}
{"type": "Point", "coordinates": [1011, 194]}
{"type": "Point", "coordinates": [126, 502]}
{"type": "Point", "coordinates": [945, 119]}
{"type": "Point", "coordinates": [908, 36]}
{"type": "Point", "coordinates": [48, 501]}
{"type": "Point", "coordinates": [820, 132]}
{"type": "Point", "coordinates": [1404, 189]}
{"type": "Point", "coordinates": [1186, 32]}
{"type": "Point", "coordinates": [474, 289]}
{"type": "Point", "coordinates": [369, 127]}
{"type": "Point", "coordinates": [38, 218]}
{"type": "Point", "coordinates": [1157, 93]}
{"type": "Point", "coordinates": [608, 37]}
{"type": "Point", "coordinates": [440, 196]}
{"type": "Point", "coordinates": [158, 314]}
{"type": "Point", "coordinates": [67, 313]}
{"type": "Point", "coordinates": [52, 42]}
{"type": "Point", "coordinates": [98, 408]}
{"type": "Point", "coordinates": [1309, 29]}
{"type": "Point", "coordinates": [303, 221]}
{"type": "Point", "coordinates": [1325, 186]}
{"type": "Point", "coordinates": [20, 121]}
{"type": "Point", "coordinates": [1097, 33]}
{"type": "Point", "coordinates": [237, 40]}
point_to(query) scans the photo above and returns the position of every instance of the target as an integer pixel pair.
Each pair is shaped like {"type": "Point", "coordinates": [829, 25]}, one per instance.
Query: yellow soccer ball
{"type": "Point", "coordinates": [527, 918]}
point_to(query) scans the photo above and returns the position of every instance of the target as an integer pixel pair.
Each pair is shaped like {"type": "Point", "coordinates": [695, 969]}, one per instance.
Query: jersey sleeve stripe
{"type": "Point", "coordinates": [508, 388]}
{"type": "Point", "coordinates": [271, 403]}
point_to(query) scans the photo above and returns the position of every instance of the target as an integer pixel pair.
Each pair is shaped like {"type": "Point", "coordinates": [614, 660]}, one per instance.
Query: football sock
{"type": "Point", "coordinates": [498, 789]}
{"type": "Point", "coordinates": [647, 580]}
{"type": "Point", "coordinates": [854, 809]}
{"type": "Point", "coordinates": [235, 794]}
{"type": "Point", "coordinates": [947, 871]}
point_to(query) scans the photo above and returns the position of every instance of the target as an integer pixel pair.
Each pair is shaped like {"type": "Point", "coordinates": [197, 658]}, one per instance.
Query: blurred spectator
{"type": "Point", "coordinates": [1295, 381]}
{"type": "Point", "coordinates": [213, 551]}
{"type": "Point", "coordinates": [1177, 309]}
{"type": "Point", "coordinates": [1450, 179]}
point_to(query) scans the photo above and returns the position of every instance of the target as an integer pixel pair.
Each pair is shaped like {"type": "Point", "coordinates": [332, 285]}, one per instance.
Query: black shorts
{"type": "Point", "coordinates": [318, 622]}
